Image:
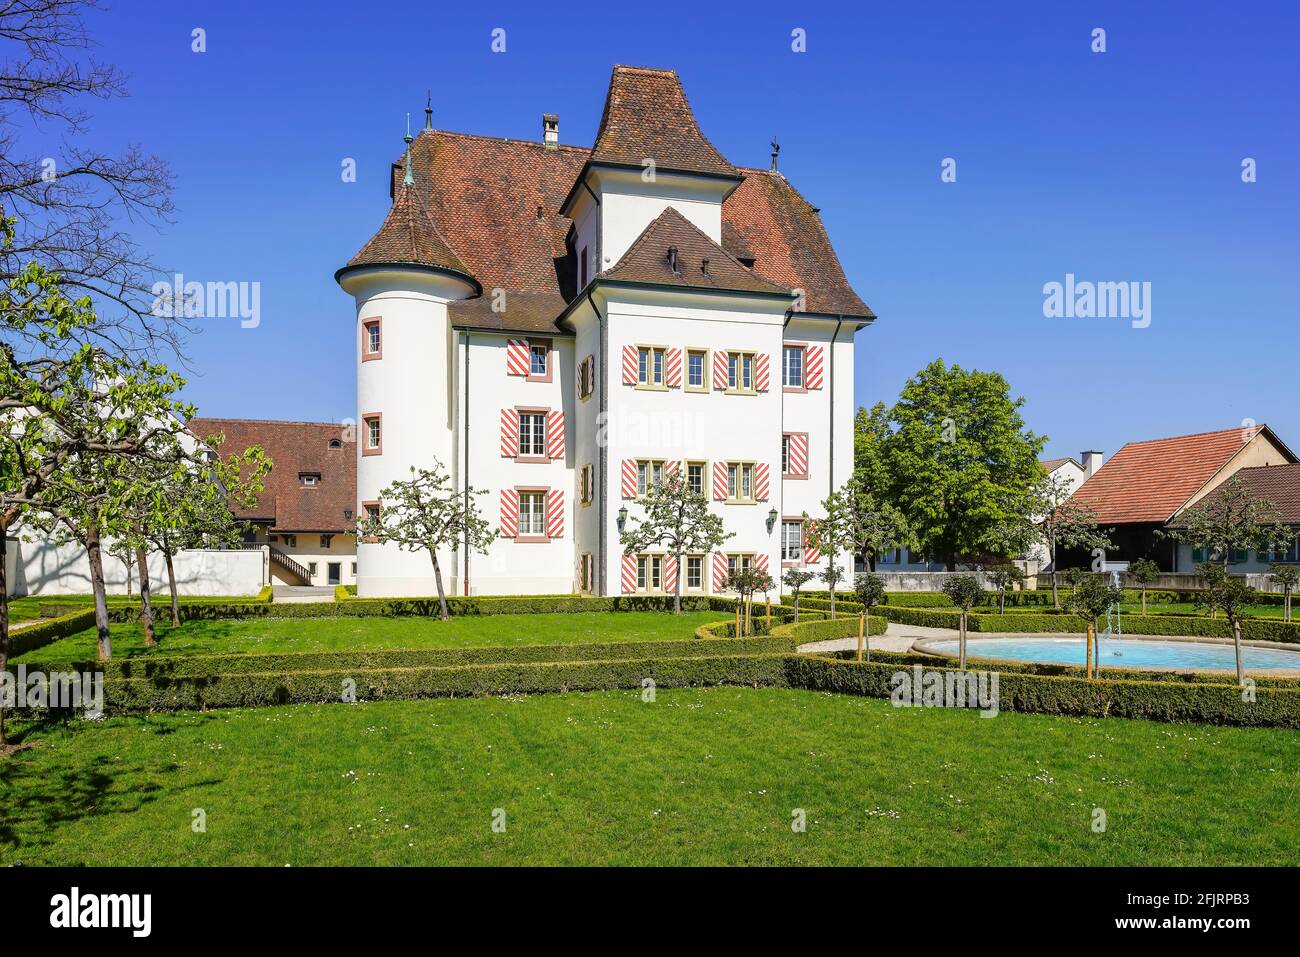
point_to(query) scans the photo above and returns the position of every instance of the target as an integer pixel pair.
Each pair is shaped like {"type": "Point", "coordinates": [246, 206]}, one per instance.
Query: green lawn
{"type": "Point", "coordinates": [287, 635]}
{"type": "Point", "coordinates": [704, 776]}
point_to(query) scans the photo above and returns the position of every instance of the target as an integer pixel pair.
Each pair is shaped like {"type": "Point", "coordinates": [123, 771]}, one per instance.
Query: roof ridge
{"type": "Point", "coordinates": [549, 147]}
{"type": "Point", "coordinates": [1254, 429]}
{"type": "Point", "coordinates": [210, 418]}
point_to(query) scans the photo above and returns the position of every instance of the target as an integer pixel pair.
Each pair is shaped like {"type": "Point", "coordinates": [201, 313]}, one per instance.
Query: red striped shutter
{"type": "Point", "coordinates": [517, 357]}
{"type": "Point", "coordinates": [760, 481]}
{"type": "Point", "coordinates": [670, 573]}
{"type": "Point", "coordinates": [812, 371]}
{"type": "Point", "coordinates": [629, 365]}
{"type": "Point", "coordinates": [509, 513]}
{"type": "Point", "coordinates": [811, 554]}
{"type": "Point", "coordinates": [720, 481]}
{"type": "Point", "coordinates": [555, 434]}
{"type": "Point", "coordinates": [673, 368]}
{"type": "Point", "coordinates": [671, 466]}
{"type": "Point", "coordinates": [629, 478]}
{"type": "Point", "coordinates": [720, 360]}
{"type": "Point", "coordinates": [555, 513]}
{"type": "Point", "coordinates": [629, 574]}
{"type": "Point", "coordinates": [509, 433]}
{"type": "Point", "coordinates": [719, 571]}
{"type": "Point", "coordinates": [761, 372]}
{"type": "Point", "coordinates": [797, 454]}
{"type": "Point", "coordinates": [760, 563]}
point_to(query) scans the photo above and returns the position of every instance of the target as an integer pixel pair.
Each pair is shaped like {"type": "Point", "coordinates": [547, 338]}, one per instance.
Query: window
{"type": "Point", "coordinates": [373, 425]}
{"type": "Point", "coordinates": [311, 569]}
{"type": "Point", "coordinates": [739, 563]}
{"type": "Point", "coordinates": [585, 485]}
{"type": "Point", "coordinates": [794, 455]}
{"type": "Point", "coordinates": [649, 472]}
{"type": "Point", "coordinates": [372, 342]}
{"type": "Point", "coordinates": [695, 472]}
{"type": "Point", "coordinates": [649, 572]}
{"type": "Point", "coordinates": [792, 541]}
{"type": "Point", "coordinates": [309, 479]}
{"type": "Point", "coordinates": [354, 569]}
{"type": "Point", "coordinates": [371, 510]}
{"type": "Point", "coordinates": [532, 434]}
{"type": "Point", "coordinates": [697, 366]}
{"type": "Point", "coordinates": [785, 455]}
{"type": "Point", "coordinates": [891, 556]}
{"type": "Point", "coordinates": [532, 513]}
{"type": "Point", "coordinates": [792, 367]}
{"type": "Point", "coordinates": [740, 481]}
{"type": "Point", "coordinates": [586, 377]}
{"type": "Point", "coordinates": [740, 371]}
{"type": "Point", "coordinates": [325, 541]}
{"type": "Point", "coordinates": [539, 360]}
{"type": "Point", "coordinates": [694, 571]}
{"type": "Point", "coordinates": [290, 541]}
{"type": "Point", "coordinates": [1290, 553]}
{"type": "Point", "coordinates": [336, 443]}
{"type": "Point", "coordinates": [584, 571]}
{"type": "Point", "coordinates": [582, 268]}
{"type": "Point", "coordinates": [650, 367]}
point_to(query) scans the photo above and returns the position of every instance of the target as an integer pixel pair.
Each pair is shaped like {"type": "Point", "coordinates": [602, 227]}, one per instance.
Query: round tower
{"type": "Point", "coordinates": [402, 280]}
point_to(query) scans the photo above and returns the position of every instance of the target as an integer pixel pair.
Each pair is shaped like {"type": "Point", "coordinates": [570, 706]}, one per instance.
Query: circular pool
{"type": "Point", "coordinates": [1122, 653]}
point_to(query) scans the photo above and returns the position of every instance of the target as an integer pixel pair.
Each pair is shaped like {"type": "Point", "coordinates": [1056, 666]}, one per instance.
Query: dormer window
{"type": "Point", "coordinates": [309, 479]}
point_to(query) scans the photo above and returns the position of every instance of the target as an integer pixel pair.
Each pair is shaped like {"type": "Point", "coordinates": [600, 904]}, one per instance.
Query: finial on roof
{"type": "Point", "coordinates": [776, 148]}
{"type": "Point", "coordinates": [428, 110]}
{"type": "Point", "coordinates": [408, 179]}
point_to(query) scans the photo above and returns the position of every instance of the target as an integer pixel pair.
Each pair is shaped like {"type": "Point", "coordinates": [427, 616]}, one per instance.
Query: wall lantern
{"type": "Point", "coordinates": [622, 517]}
{"type": "Point", "coordinates": [771, 519]}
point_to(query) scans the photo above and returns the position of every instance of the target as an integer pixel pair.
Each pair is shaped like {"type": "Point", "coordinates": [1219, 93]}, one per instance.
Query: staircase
{"type": "Point", "coordinates": [289, 565]}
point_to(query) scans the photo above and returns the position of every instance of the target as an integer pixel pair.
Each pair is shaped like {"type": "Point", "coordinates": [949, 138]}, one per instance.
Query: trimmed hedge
{"type": "Point", "coordinates": [38, 636]}
{"type": "Point", "coordinates": [1147, 700]}
{"type": "Point", "coordinates": [825, 630]}
{"type": "Point", "coordinates": [254, 689]}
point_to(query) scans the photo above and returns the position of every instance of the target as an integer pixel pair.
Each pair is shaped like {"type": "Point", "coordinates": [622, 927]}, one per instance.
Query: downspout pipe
{"type": "Point", "coordinates": [602, 412]}
{"type": "Point", "coordinates": [465, 413]}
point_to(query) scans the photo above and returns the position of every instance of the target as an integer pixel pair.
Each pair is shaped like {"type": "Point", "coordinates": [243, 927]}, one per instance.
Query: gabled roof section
{"type": "Point", "coordinates": [295, 448]}
{"type": "Point", "coordinates": [700, 262]}
{"type": "Point", "coordinates": [1279, 484]}
{"type": "Point", "coordinates": [408, 237]}
{"type": "Point", "coordinates": [1150, 481]}
{"type": "Point", "coordinates": [647, 116]}
{"type": "Point", "coordinates": [767, 217]}
{"type": "Point", "coordinates": [1051, 465]}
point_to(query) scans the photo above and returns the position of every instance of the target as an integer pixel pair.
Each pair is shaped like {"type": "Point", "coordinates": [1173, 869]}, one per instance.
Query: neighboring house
{"type": "Point", "coordinates": [1147, 484]}
{"type": "Point", "coordinates": [559, 326]}
{"type": "Point", "coordinates": [1279, 484]}
{"type": "Point", "coordinates": [306, 515]}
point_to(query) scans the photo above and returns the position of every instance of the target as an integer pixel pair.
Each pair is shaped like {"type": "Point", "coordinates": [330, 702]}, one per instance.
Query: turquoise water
{"type": "Point", "coordinates": [1125, 653]}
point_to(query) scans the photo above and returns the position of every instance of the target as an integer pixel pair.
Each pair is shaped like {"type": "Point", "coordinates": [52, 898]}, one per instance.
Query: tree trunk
{"type": "Point", "coordinates": [96, 557]}
{"type": "Point", "coordinates": [961, 635]}
{"type": "Point", "coordinates": [862, 628]}
{"type": "Point", "coordinates": [443, 611]}
{"type": "Point", "coordinates": [832, 602]}
{"type": "Point", "coordinates": [4, 615]}
{"type": "Point", "coordinates": [1002, 602]}
{"type": "Point", "coordinates": [1087, 657]}
{"type": "Point", "coordinates": [171, 583]}
{"type": "Point", "coordinates": [1286, 605]}
{"type": "Point", "coordinates": [677, 585]}
{"type": "Point", "coordinates": [1056, 595]}
{"type": "Point", "coordinates": [146, 606]}
{"type": "Point", "coordinates": [1144, 600]}
{"type": "Point", "coordinates": [796, 606]}
{"type": "Point", "coordinates": [1236, 642]}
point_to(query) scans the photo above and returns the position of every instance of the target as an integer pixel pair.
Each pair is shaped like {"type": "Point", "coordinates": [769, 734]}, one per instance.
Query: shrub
{"type": "Point", "coordinates": [39, 635]}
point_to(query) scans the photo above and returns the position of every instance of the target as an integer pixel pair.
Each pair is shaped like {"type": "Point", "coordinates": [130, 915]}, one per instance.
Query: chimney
{"type": "Point", "coordinates": [1092, 460]}
{"type": "Point", "coordinates": [551, 130]}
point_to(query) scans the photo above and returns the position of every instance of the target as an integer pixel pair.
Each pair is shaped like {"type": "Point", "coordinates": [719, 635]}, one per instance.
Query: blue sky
{"type": "Point", "coordinates": [1119, 166]}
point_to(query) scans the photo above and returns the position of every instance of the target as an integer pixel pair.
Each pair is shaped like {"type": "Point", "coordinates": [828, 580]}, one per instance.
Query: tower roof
{"type": "Point", "coordinates": [408, 237]}
{"type": "Point", "coordinates": [647, 116]}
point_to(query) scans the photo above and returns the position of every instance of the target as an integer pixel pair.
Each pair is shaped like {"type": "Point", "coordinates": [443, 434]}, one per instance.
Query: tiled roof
{"type": "Point", "coordinates": [647, 116]}
{"type": "Point", "coordinates": [408, 236]}
{"type": "Point", "coordinates": [495, 204]}
{"type": "Point", "coordinates": [1051, 465]}
{"type": "Point", "coordinates": [294, 448]}
{"type": "Point", "coordinates": [1149, 481]}
{"type": "Point", "coordinates": [700, 262]}
{"type": "Point", "coordinates": [1280, 484]}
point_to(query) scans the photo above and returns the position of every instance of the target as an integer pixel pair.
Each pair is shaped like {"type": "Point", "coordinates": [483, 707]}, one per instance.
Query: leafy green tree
{"type": "Point", "coordinates": [1074, 577]}
{"type": "Point", "coordinates": [1232, 518]}
{"type": "Point", "coordinates": [1090, 600]}
{"type": "Point", "coordinates": [870, 592]}
{"type": "Point", "coordinates": [1145, 573]}
{"type": "Point", "coordinates": [677, 519]}
{"type": "Point", "coordinates": [964, 591]}
{"type": "Point", "coordinates": [854, 522]}
{"type": "Point", "coordinates": [1063, 522]}
{"type": "Point", "coordinates": [870, 436]}
{"type": "Point", "coordinates": [795, 579]}
{"type": "Point", "coordinates": [1231, 595]}
{"type": "Point", "coordinates": [1212, 575]}
{"type": "Point", "coordinates": [961, 464]}
{"type": "Point", "coordinates": [1003, 577]}
{"type": "Point", "coordinates": [424, 513]}
{"type": "Point", "coordinates": [1287, 576]}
